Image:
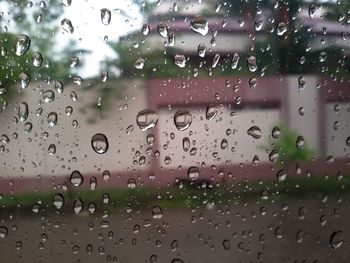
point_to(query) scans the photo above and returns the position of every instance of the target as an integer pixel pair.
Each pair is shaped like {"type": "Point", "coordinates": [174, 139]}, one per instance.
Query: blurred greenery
{"type": "Point", "coordinates": [286, 147]}
{"type": "Point", "coordinates": [40, 22]}
{"type": "Point", "coordinates": [186, 196]}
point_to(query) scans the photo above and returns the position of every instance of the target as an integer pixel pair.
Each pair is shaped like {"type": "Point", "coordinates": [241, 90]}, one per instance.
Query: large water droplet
{"type": "Point", "coordinates": [106, 16]}
{"type": "Point", "coordinates": [312, 11]}
{"type": "Point", "coordinates": [23, 111]}
{"type": "Point", "coordinates": [255, 132]}
{"type": "Point", "coordinates": [182, 120]}
{"type": "Point", "coordinates": [21, 44]}
{"type": "Point", "coordinates": [99, 143]}
{"type": "Point", "coordinates": [147, 119]}
{"type": "Point", "coordinates": [76, 178]}
{"type": "Point", "coordinates": [200, 26]}
{"type": "Point", "coordinates": [67, 26]}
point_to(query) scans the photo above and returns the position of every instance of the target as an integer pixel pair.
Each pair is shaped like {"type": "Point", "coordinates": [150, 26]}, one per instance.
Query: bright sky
{"type": "Point", "coordinates": [89, 32]}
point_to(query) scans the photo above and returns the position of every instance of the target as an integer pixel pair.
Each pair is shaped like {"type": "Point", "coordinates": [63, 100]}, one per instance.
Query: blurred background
{"type": "Point", "coordinates": [188, 131]}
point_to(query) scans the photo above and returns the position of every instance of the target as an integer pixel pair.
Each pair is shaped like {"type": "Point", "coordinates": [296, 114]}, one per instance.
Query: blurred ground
{"type": "Point", "coordinates": [231, 233]}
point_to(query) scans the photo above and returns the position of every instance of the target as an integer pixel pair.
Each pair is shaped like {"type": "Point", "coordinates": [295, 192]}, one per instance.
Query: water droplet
{"type": "Point", "coordinates": [25, 80]}
{"type": "Point", "coordinates": [21, 44]}
{"type": "Point", "coordinates": [99, 143]}
{"type": "Point", "coordinates": [323, 56]}
{"type": "Point", "coordinates": [92, 208]}
{"type": "Point", "coordinates": [251, 64]}
{"type": "Point", "coordinates": [312, 11]}
{"type": "Point", "coordinates": [59, 87]}
{"type": "Point", "coordinates": [180, 60]}
{"type": "Point", "coordinates": [235, 60]}
{"type": "Point", "coordinates": [37, 59]}
{"type": "Point", "coordinates": [174, 244]}
{"type": "Point", "coordinates": [186, 144]}
{"type": "Point", "coordinates": [177, 260]}
{"type": "Point", "coordinates": [52, 149]}
{"type": "Point", "coordinates": [93, 183]}
{"type": "Point", "coordinates": [226, 244]}
{"type": "Point", "coordinates": [255, 132]}
{"type": "Point", "coordinates": [74, 61]}
{"type": "Point", "coordinates": [67, 26]}
{"type": "Point", "coordinates": [4, 139]}
{"type": "Point", "coordinates": [201, 50]}
{"type": "Point", "coordinates": [147, 119]}
{"type": "Point", "coordinates": [224, 144]}
{"type": "Point", "coordinates": [211, 112]}
{"type": "Point", "coordinates": [182, 120]}
{"type": "Point", "coordinates": [49, 96]}
{"type": "Point", "coordinates": [336, 239]}
{"type": "Point", "coordinates": [131, 183]}
{"type": "Point", "coordinates": [252, 83]}
{"type": "Point", "coordinates": [200, 26]}
{"type": "Point", "coordinates": [281, 28]}
{"type": "Point", "coordinates": [77, 206]}
{"type": "Point", "coordinates": [145, 29]}
{"type": "Point", "coordinates": [276, 132]}
{"type": "Point", "coordinates": [215, 60]}
{"type": "Point", "coordinates": [66, 2]}
{"type": "Point", "coordinates": [193, 173]}
{"type": "Point", "coordinates": [52, 119]}
{"type": "Point", "coordinates": [157, 212]}
{"type": "Point", "coordinates": [139, 63]}
{"type": "Point", "coordinates": [282, 175]}
{"type": "Point", "coordinates": [68, 110]}
{"type": "Point", "coordinates": [300, 143]}
{"type": "Point", "coordinates": [28, 126]}
{"type": "Point", "coordinates": [58, 201]}
{"type": "Point", "coordinates": [76, 178]}
{"type": "Point", "coordinates": [258, 25]}
{"type": "Point", "coordinates": [129, 129]}
{"type": "Point", "coordinates": [73, 96]}
{"type": "Point", "coordinates": [106, 16]}
{"type": "Point", "coordinates": [3, 232]}
{"type": "Point", "coordinates": [302, 82]}
{"type": "Point", "coordinates": [347, 141]}
{"type": "Point", "coordinates": [104, 76]}
{"type": "Point", "coordinates": [23, 111]}
{"type": "Point", "coordinates": [162, 30]}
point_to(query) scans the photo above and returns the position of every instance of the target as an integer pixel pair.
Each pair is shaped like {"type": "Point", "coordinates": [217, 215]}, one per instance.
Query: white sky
{"type": "Point", "coordinates": [89, 31]}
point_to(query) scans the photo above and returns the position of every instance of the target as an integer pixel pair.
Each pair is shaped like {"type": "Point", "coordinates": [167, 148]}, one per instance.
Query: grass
{"type": "Point", "coordinates": [187, 196]}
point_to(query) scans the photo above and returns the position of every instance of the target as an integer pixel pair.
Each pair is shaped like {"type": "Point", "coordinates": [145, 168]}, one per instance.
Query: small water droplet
{"type": "Point", "coordinates": [106, 16]}
{"type": "Point", "coordinates": [131, 183]}
{"type": "Point", "coordinates": [99, 143]}
{"type": "Point", "coordinates": [300, 143]}
{"type": "Point", "coordinates": [77, 206]}
{"type": "Point", "coordinates": [336, 239]}
{"type": "Point", "coordinates": [59, 87]}
{"type": "Point", "coordinates": [49, 96]}
{"type": "Point", "coordinates": [251, 64]}
{"type": "Point", "coordinates": [180, 60]}
{"type": "Point", "coordinates": [282, 175]}
{"type": "Point", "coordinates": [193, 173]}
{"type": "Point", "coordinates": [52, 118]}
{"type": "Point", "coordinates": [58, 201]}
{"type": "Point", "coordinates": [211, 112]}
{"type": "Point", "coordinates": [145, 29]}
{"type": "Point", "coordinates": [201, 50]}
{"type": "Point", "coordinates": [28, 126]}
{"type": "Point", "coordinates": [37, 59]}
{"type": "Point", "coordinates": [235, 60]}
{"type": "Point", "coordinates": [66, 3]}
{"type": "Point", "coordinates": [157, 212]}
{"type": "Point", "coordinates": [186, 144]}
{"type": "Point", "coordinates": [52, 149]}
{"type": "Point", "coordinates": [281, 28]}
{"type": "Point", "coordinates": [312, 11]}
{"type": "Point", "coordinates": [23, 111]}
{"type": "Point", "coordinates": [3, 232]}
{"type": "Point", "coordinates": [162, 30]}
{"type": "Point", "coordinates": [139, 63]}
{"type": "Point", "coordinates": [25, 80]}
